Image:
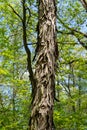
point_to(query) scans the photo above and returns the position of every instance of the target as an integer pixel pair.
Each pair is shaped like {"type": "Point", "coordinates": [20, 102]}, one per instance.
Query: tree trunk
{"type": "Point", "coordinates": [44, 92]}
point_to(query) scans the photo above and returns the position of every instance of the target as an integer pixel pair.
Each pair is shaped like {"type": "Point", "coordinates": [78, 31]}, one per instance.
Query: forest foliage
{"type": "Point", "coordinates": [70, 110]}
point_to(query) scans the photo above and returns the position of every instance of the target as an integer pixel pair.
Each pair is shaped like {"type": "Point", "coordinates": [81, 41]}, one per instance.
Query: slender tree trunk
{"type": "Point", "coordinates": [14, 94]}
{"type": "Point", "coordinates": [79, 102]}
{"type": "Point", "coordinates": [68, 86]}
{"type": "Point", "coordinates": [43, 100]}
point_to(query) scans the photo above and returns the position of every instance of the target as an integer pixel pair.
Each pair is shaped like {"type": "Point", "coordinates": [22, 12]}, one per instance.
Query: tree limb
{"type": "Point", "coordinates": [72, 30]}
{"type": "Point", "coordinates": [84, 3]}
{"type": "Point", "coordinates": [82, 43]}
{"type": "Point", "coordinates": [29, 15]}
{"type": "Point", "coordinates": [15, 12]}
{"type": "Point", "coordinates": [29, 65]}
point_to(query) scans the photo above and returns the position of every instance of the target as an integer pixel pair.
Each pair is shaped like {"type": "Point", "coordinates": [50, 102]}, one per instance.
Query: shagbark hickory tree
{"type": "Point", "coordinates": [43, 81]}
{"type": "Point", "coordinates": [44, 88]}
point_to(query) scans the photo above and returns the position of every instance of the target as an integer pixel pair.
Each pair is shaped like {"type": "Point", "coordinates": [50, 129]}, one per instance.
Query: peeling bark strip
{"type": "Point", "coordinates": [43, 102]}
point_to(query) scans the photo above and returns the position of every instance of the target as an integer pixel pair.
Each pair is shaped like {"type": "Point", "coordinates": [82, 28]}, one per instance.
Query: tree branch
{"type": "Point", "coordinates": [29, 15]}
{"type": "Point", "coordinates": [82, 43]}
{"type": "Point", "coordinates": [72, 30]}
{"type": "Point", "coordinates": [84, 3]}
{"type": "Point", "coordinates": [15, 12]}
{"type": "Point", "coordinates": [29, 66]}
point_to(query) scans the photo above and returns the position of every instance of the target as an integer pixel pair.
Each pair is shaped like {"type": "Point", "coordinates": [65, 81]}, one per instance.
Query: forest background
{"type": "Point", "coordinates": [70, 110]}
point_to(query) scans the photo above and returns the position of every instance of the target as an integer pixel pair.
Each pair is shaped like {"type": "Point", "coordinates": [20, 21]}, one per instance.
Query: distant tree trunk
{"type": "Point", "coordinates": [43, 100]}
{"type": "Point", "coordinates": [69, 78]}
{"type": "Point", "coordinates": [79, 102]}
{"type": "Point", "coordinates": [13, 95]}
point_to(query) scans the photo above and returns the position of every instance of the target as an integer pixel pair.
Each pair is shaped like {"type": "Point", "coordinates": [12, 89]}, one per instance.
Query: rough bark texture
{"type": "Point", "coordinates": [43, 101]}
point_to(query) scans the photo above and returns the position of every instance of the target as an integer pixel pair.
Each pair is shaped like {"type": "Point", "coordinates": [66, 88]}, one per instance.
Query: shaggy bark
{"type": "Point", "coordinates": [43, 100]}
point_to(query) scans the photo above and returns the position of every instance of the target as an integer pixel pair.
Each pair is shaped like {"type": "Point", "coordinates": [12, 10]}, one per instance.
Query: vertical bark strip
{"type": "Point", "coordinates": [42, 105]}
